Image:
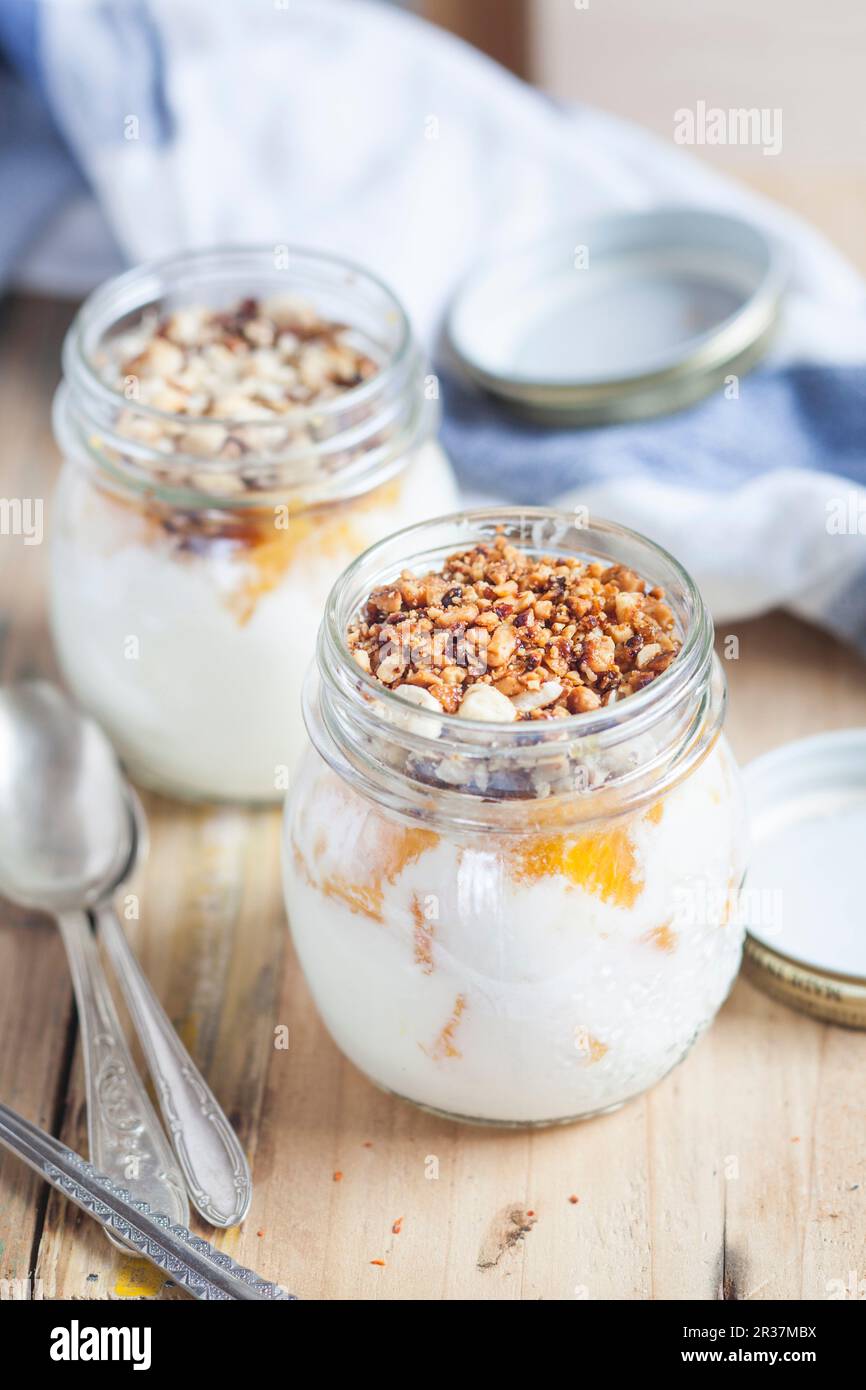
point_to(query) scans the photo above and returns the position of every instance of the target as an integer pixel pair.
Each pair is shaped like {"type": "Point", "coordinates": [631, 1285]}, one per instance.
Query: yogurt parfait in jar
{"type": "Point", "coordinates": [511, 857]}
{"type": "Point", "coordinates": [236, 426]}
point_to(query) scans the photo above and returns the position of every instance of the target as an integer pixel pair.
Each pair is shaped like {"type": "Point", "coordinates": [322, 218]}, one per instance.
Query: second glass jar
{"type": "Point", "coordinates": [186, 593]}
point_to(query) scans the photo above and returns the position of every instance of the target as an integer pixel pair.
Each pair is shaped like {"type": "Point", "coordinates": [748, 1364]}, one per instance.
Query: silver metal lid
{"type": "Point", "coordinates": [621, 317]}
{"type": "Point", "coordinates": [803, 898]}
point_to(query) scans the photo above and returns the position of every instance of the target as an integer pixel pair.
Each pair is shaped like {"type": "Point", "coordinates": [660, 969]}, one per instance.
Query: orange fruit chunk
{"type": "Point", "coordinates": [604, 864]}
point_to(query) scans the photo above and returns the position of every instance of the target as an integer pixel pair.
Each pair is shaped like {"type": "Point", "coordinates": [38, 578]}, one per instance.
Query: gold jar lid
{"type": "Point", "coordinates": [832, 998]}
{"type": "Point", "coordinates": [620, 317]}
{"type": "Point", "coordinates": [802, 899]}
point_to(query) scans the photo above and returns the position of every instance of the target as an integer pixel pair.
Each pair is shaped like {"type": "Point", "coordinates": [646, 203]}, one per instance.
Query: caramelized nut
{"type": "Point", "coordinates": [582, 699]}
{"type": "Point", "coordinates": [600, 651]}
{"type": "Point", "coordinates": [501, 646]}
{"type": "Point", "coordinates": [646, 654]}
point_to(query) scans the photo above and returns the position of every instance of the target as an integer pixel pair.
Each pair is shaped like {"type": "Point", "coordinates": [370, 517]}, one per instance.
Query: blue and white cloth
{"type": "Point", "coordinates": [152, 125]}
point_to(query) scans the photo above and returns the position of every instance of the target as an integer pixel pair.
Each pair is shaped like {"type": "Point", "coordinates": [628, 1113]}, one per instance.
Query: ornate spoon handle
{"type": "Point", "coordinates": [204, 1272]}
{"type": "Point", "coordinates": [125, 1137]}
{"type": "Point", "coordinates": [214, 1165]}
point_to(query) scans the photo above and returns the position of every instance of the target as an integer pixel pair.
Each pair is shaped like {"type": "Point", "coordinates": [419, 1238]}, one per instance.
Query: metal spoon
{"type": "Point", "coordinates": [212, 1161]}
{"type": "Point", "coordinates": [59, 813]}
{"type": "Point", "coordinates": [214, 1164]}
{"type": "Point", "coordinates": [190, 1261]}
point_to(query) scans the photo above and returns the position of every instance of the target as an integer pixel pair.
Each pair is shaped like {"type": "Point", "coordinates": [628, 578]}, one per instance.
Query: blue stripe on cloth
{"type": "Point", "coordinates": [807, 417]}
{"type": "Point", "coordinates": [846, 619]}
{"type": "Point", "coordinates": [128, 66]}
{"type": "Point", "coordinates": [19, 29]}
{"type": "Point", "coordinates": [36, 174]}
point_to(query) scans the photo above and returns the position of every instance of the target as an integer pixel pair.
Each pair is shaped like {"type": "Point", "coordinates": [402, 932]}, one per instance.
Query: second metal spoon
{"type": "Point", "coordinates": [214, 1165]}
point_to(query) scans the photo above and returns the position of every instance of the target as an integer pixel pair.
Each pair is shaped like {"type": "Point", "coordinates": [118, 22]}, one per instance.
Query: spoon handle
{"type": "Point", "coordinates": [214, 1165]}
{"type": "Point", "coordinates": [126, 1140]}
{"type": "Point", "coordinates": [188, 1260]}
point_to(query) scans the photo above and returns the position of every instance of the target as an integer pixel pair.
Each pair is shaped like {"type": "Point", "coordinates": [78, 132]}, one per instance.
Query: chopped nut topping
{"type": "Point", "coordinates": [254, 362]}
{"type": "Point", "coordinates": [500, 635]}
{"type": "Point", "coordinates": [276, 354]}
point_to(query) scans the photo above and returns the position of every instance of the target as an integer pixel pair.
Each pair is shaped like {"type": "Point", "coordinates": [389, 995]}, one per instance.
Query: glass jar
{"type": "Point", "coordinates": [520, 923]}
{"type": "Point", "coordinates": [186, 589]}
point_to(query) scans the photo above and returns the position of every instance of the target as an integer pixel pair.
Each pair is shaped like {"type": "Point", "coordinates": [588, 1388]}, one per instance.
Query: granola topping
{"type": "Point", "coordinates": [257, 363]}
{"type": "Point", "coordinates": [500, 635]}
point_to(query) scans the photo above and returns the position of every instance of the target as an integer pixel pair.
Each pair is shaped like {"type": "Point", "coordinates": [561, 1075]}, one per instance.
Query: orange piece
{"type": "Point", "coordinates": [590, 1046]}
{"type": "Point", "coordinates": [732, 899]}
{"type": "Point", "coordinates": [604, 863]}
{"type": "Point", "coordinates": [444, 1045]}
{"type": "Point", "coordinates": [265, 548]}
{"type": "Point", "coordinates": [274, 552]}
{"type": "Point", "coordinates": [423, 937]}
{"type": "Point", "coordinates": [662, 937]}
{"type": "Point", "coordinates": [358, 897]}
{"type": "Point", "coordinates": [330, 532]}
{"type": "Point", "coordinates": [383, 850]}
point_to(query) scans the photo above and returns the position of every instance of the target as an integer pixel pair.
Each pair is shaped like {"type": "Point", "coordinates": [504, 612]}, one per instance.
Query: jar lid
{"type": "Point", "coordinates": [619, 317]}
{"type": "Point", "coordinates": [803, 896]}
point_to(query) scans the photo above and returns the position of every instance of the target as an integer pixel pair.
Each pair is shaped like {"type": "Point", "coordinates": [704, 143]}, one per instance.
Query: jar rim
{"type": "Point", "coordinates": [79, 368]}
{"type": "Point", "coordinates": [334, 648]}
{"type": "Point", "coordinates": [683, 707]}
{"type": "Point", "coordinates": [356, 439]}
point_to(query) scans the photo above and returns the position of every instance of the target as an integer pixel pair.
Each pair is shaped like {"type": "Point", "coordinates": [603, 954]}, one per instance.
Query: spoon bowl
{"type": "Point", "coordinates": [64, 818]}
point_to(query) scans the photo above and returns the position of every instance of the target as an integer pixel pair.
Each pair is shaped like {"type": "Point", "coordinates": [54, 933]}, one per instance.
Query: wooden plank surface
{"type": "Point", "coordinates": [743, 1175]}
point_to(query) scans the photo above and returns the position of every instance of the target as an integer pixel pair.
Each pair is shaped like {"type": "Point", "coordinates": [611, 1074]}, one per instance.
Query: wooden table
{"type": "Point", "coordinates": [742, 1176]}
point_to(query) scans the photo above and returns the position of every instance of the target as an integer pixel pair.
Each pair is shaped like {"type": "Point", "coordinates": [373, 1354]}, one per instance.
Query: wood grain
{"type": "Point", "coordinates": [742, 1175]}
{"type": "Point", "coordinates": [36, 1012]}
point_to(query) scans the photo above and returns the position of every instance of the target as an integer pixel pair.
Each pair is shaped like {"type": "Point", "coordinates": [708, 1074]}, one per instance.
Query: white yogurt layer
{"type": "Point", "coordinates": [510, 978]}
{"type": "Point", "coordinates": [193, 660]}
